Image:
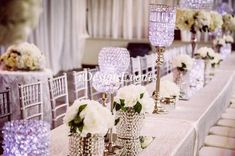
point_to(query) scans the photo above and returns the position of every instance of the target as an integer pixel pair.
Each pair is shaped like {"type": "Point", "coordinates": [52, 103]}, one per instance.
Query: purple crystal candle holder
{"type": "Point", "coordinates": [26, 138]}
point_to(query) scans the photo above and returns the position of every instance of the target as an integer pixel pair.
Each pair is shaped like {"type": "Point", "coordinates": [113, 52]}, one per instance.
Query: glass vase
{"type": "Point", "coordinates": [182, 79]}
{"type": "Point", "coordinates": [91, 145]}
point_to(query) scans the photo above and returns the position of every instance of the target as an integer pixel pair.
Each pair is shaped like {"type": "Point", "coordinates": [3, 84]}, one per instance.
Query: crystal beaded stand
{"type": "Point", "coordinates": [130, 124]}
{"type": "Point", "coordinates": [26, 137]}
{"type": "Point", "coordinates": [91, 145]}
{"type": "Point", "coordinates": [196, 4]}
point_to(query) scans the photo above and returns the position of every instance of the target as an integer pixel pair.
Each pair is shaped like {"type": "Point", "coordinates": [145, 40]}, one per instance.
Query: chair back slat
{"type": "Point", "coordinates": [5, 110]}
{"type": "Point", "coordinates": [31, 100]}
{"type": "Point", "coordinates": [94, 94]}
{"type": "Point", "coordinates": [81, 84]}
{"type": "Point", "coordinates": [58, 88]}
{"type": "Point", "coordinates": [136, 69]}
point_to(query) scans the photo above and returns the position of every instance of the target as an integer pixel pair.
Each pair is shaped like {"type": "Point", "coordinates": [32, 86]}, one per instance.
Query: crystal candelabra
{"type": "Point", "coordinates": [161, 34]}
{"type": "Point", "coordinates": [113, 62]}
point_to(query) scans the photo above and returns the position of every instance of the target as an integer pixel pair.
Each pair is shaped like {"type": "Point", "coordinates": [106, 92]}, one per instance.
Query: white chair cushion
{"type": "Point", "coordinates": [213, 151]}
{"type": "Point", "coordinates": [220, 141]}
{"type": "Point", "coordinates": [226, 123]}
{"type": "Point", "coordinates": [223, 131]}
{"type": "Point", "coordinates": [230, 116]}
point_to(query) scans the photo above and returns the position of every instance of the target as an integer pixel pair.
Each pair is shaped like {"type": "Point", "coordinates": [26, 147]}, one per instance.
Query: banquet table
{"type": "Point", "coordinates": [182, 131]}
{"type": "Point", "coordinates": [11, 79]}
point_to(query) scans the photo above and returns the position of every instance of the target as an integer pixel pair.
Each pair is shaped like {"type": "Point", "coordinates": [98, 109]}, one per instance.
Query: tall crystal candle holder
{"type": "Point", "coordinates": [161, 34]}
{"type": "Point", "coordinates": [113, 61]}
{"type": "Point", "coordinates": [26, 137]}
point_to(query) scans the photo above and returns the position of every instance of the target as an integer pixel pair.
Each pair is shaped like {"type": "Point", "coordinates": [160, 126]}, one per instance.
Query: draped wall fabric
{"type": "Point", "coordinates": [61, 33]}
{"type": "Point", "coordinates": [117, 18]}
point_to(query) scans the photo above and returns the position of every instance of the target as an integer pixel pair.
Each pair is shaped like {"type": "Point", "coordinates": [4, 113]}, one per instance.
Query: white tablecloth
{"type": "Point", "coordinates": [182, 131]}
{"type": "Point", "coordinates": [13, 78]}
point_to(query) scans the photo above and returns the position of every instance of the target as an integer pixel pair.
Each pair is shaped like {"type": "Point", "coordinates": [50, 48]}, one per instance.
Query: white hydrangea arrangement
{"type": "Point", "coordinates": [88, 117]}
{"type": "Point", "coordinates": [17, 19]}
{"type": "Point", "coordinates": [134, 97]}
{"type": "Point", "coordinates": [216, 60]}
{"type": "Point", "coordinates": [23, 56]}
{"type": "Point", "coordinates": [228, 39]}
{"type": "Point", "coordinates": [169, 89]}
{"type": "Point", "coordinates": [216, 21]}
{"type": "Point", "coordinates": [219, 41]}
{"type": "Point", "coordinates": [198, 20]}
{"type": "Point", "coordinates": [183, 62]}
{"type": "Point", "coordinates": [205, 53]}
{"type": "Point", "coordinates": [228, 22]}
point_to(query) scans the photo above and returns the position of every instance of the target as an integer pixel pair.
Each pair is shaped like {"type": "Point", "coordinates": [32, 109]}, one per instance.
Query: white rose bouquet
{"type": "Point", "coordinates": [205, 53]}
{"type": "Point", "coordinates": [24, 56]}
{"type": "Point", "coordinates": [88, 117]}
{"type": "Point", "coordinates": [216, 60]}
{"type": "Point", "coordinates": [219, 41]}
{"type": "Point", "coordinates": [228, 22]}
{"type": "Point", "coordinates": [135, 97]}
{"type": "Point", "coordinates": [183, 63]}
{"type": "Point", "coordinates": [169, 89]}
{"type": "Point", "coordinates": [228, 39]}
{"type": "Point", "coordinates": [216, 21]}
{"type": "Point", "coordinates": [200, 20]}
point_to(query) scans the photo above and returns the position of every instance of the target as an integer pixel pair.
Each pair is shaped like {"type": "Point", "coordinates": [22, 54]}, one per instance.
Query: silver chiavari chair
{"type": "Point", "coordinates": [81, 84]}
{"type": "Point", "coordinates": [58, 88]}
{"type": "Point", "coordinates": [5, 110]}
{"type": "Point", "coordinates": [144, 69]}
{"type": "Point", "coordinates": [31, 100]}
{"type": "Point", "coordinates": [136, 70]}
{"type": "Point", "coordinates": [151, 66]}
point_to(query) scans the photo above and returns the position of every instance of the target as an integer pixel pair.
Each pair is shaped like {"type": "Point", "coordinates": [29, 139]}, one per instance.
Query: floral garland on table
{"type": "Point", "coordinates": [169, 89]}
{"type": "Point", "coordinates": [228, 39]}
{"type": "Point", "coordinates": [183, 63]}
{"type": "Point", "coordinates": [23, 56]}
{"type": "Point", "coordinates": [228, 22]}
{"type": "Point", "coordinates": [134, 97]}
{"type": "Point", "coordinates": [205, 53]}
{"type": "Point", "coordinates": [17, 19]}
{"type": "Point", "coordinates": [88, 117]}
{"type": "Point", "coordinates": [200, 20]}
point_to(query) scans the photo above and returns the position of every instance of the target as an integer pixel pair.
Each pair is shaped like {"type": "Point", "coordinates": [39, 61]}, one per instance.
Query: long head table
{"type": "Point", "coordinates": [182, 131]}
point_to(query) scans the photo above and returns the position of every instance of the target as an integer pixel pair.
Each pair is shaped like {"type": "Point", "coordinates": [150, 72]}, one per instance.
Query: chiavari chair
{"type": "Point", "coordinates": [31, 100]}
{"type": "Point", "coordinates": [94, 94]}
{"type": "Point", "coordinates": [5, 111]}
{"type": "Point", "coordinates": [58, 88]}
{"type": "Point", "coordinates": [81, 84]}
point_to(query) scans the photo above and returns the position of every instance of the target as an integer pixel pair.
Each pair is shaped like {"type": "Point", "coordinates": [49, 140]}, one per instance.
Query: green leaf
{"type": "Point", "coordinates": [124, 109]}
{"type": "Point", "coordinates": [141, 95]}
{"type": "Point", "coordinates": [117, 121]}
{"type": "Point", "coordinates": [138, 107]}
{"type": "Point", "coordinates": [117, 107]}
{"type": "Point", "coordinates": [81, 108]}
{"type": "Point", "coordinates": [80, 128]}
{"type": "Point", "coordinates": [122, 102]}
{"type": "Point", "coordinates": [77, 120]}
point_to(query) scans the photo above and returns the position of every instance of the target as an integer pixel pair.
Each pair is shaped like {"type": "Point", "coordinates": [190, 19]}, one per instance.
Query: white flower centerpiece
{"type": "Point", "coordinates": [208, 55]}
{"type": "Point", "coordinates": [182, 65]}
{"type": "Point", "coordinates": [88, 122]}
{"type": "Point", "coordinates": [228, 23]}
{"type": "Point", "coordinates": [169, 93]}
{"type": "Point", "coordinates": [228, 39]}
{"type": "Point", "coordinates": [219, 43]}
{"type": "Point", "coordinates": [131, 104]}
{"type": "Point", "coordinates": [23, 56]}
